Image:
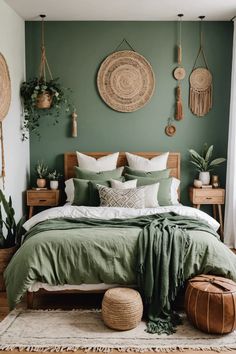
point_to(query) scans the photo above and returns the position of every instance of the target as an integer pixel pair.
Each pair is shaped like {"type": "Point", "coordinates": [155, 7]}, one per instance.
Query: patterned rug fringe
{"type": "Point", "coordinates": [109, 349]}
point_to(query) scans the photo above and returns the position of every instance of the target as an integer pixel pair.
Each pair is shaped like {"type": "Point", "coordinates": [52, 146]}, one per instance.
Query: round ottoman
{"type": "Point", "coordinates": [122, 308]}
{"type": "Point", "coordinates": [210, 303]}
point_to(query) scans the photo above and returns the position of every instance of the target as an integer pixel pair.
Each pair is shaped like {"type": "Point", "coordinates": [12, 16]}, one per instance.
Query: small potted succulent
{"type": "Point", "coordinates": [54, 177]}
{"type": "Point", "coordinates": [204, 163]}
{"type": "Point", "coordinates": [41, 171]}
{"type": "Point", "coordinates": [10, 234]}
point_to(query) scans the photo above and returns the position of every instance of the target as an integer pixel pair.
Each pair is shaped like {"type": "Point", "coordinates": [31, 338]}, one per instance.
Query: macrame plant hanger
{"type": "Point", "coordinates": [43, 62]}
{"type": "Point", "coordinates": [179, 73]}
{"type": "Point", "coordinates": [200, 95]}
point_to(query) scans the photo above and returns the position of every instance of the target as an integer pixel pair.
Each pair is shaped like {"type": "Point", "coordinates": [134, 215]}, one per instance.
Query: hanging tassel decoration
{"type": "Point", "coordinates": [179, 105]}
{"type": "Point", "coordinates": [74, 125]}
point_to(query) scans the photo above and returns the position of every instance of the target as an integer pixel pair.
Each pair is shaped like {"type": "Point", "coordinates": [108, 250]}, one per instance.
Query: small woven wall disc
{"type": "Point", "coordinates": [170, 130]}
{"type": "Point", "coordinates": [5, 88]}
{"type": "Point", "coordinates": [200, 79]}
{"type": "Point", "coordinates": [125, 81]}
{"type": "Point", "coordinates": [179, 73]}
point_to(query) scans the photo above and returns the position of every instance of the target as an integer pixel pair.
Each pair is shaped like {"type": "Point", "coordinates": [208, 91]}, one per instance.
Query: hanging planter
{"type": "Point", "coordinates": [41, 96]}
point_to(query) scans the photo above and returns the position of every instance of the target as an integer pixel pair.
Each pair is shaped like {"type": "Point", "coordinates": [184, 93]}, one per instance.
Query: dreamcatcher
{"type": "Point", "coordinates": [200, 95]}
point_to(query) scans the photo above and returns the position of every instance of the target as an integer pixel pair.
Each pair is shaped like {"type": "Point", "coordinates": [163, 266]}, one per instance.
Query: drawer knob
{"type": "Point", "coordinates": [42, 200]}
{"type": "Point", "coordinates": [208, 197]}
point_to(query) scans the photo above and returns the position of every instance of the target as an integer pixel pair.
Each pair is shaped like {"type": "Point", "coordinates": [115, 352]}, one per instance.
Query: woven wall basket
{"type": "Point", "coordinates": [5, 88]}
{"type": "Point", "coordinates": [126, 81]}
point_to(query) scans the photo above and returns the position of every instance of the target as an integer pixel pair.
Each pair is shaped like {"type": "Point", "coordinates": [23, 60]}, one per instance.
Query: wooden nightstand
{"type": "Point", "coordinates": [47, 198]}
{"type": "Point", "coordinates": [212, 196]}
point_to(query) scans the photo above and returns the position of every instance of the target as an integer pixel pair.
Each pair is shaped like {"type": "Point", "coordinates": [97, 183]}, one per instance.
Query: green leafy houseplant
{"type": "Point", "coordinates": [54, 176]}
{"type": "Point", "coordinates": [31, 91]}
{"type": "Point", "coordinates": [14, 230]}
{"type": "Point", "coordinates": [203, 162]}
{"type": "Point", "coordinates": [41, 169]}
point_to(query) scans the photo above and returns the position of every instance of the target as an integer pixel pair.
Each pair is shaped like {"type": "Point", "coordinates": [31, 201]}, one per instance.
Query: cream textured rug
{"type": "Point", "coordinates": [83, 329]}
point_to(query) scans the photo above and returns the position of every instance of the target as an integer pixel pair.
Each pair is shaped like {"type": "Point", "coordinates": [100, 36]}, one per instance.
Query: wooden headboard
{"type": "Point", "coordinates": [70, 160]}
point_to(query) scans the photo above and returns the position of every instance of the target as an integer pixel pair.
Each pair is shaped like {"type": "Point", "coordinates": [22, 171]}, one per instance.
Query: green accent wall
{"type": "Point", "coordinates": [76, 49]}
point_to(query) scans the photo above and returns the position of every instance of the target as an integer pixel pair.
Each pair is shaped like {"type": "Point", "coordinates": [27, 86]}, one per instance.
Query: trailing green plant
{"type": "Point", "coordinates": [54, 176]}
{"type": "Point", "coordinates": [14, 231]}
{"type": "Point", "coordinates": [41, 170]}
{"type": "Point", "coordinates": [203, 162]}
{"type": "Point", "coordinates": [30, 90]}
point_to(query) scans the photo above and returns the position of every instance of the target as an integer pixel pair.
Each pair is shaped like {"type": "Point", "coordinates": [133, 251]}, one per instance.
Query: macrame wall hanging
{"type": "Point", "coordinates": [179, 73]}
{"type": "Point", "coordinates": [5, 100]}
{"type": "Point", "coordinates": [200, 94]}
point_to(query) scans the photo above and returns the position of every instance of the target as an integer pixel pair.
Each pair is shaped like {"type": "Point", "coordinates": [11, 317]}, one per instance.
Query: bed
{"type": "Point", "coordinates": [95, 259]}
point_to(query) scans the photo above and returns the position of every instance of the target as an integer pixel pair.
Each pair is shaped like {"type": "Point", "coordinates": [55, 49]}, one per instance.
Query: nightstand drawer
{"type": "Point", "coordinates": [46, 198]}
{"type": "Point", "coordinates": [208, 199]}
{"type": "Point", "coordinates": [202, 192]}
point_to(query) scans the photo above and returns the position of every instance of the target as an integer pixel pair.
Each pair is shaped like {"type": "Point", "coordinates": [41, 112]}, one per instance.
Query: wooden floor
{"type": "Point", "coordinates": [70, 301]}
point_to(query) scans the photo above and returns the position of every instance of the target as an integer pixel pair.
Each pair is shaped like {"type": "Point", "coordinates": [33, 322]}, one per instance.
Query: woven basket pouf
{"type": "Point", "coordinates": [210, 303]}
{"type": "Point", "coordinates": [122, 308]}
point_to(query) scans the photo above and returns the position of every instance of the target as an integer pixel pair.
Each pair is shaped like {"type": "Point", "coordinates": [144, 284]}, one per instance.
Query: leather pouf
{"type": "Point", "coordinates": [122, 308]}
{"type": "Point", "coordinates": [210, 303]}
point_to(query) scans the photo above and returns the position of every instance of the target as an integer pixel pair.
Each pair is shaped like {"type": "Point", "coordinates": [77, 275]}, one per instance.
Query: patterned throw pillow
{"type": "Point", "coordinates": [122, 198]}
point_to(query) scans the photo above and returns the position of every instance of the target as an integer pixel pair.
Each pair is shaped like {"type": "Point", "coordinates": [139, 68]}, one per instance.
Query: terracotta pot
{"type": "Point", "coordinates": [41, 182]}
{"type": "Point", "coordinates": [205, 177]}
{"type": "Point", "coordinates": [54, 184]}
{"type": "Point", "coordinates": [44, 100]}
{"type": "Point", "coordinates": [5, 257]}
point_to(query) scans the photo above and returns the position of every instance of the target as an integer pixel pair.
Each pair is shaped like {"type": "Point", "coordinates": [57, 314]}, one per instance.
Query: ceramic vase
{"type": "Point", "coordinates": [41, 182]}
{"type": "Point", "coordinates": [197, 183]}
{"type": "Point", "coordinates": [53, 184]}
{"type": "Point", "coordinates": [205, 177]}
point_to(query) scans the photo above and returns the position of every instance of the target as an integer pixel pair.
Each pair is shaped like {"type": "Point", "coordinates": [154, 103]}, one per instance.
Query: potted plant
{"type": "Point", "coordinates": [204, 163]}
{"type": "Point", "coordinates": [54, 177]}
{"type": "Point", "coordinates": [10, 235]}
{"type": "Point", "coordinates": [41, 170]}
{"type": "Point", "coordinates": [41, 98]}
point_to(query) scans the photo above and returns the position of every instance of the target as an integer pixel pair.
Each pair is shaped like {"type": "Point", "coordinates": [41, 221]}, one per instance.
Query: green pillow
{"type": "Point", "coordinates": [168, 188]}
{"type": "Point", "coordinates": [151, 174]}
{"type": "Point", "coordinates": [98, 176]}
{"type": "Point", "coordinates": [82, 195]}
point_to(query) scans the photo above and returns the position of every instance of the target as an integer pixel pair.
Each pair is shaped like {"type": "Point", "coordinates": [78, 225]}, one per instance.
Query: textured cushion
{"type": "Point", "coordinates": [123, 198]}
{"type": "Point", "coordinates": [151, 174]}
{"type": "Point", "coordinates": [157, 163]}
{"type": "Point", "coordinates": [123, 185]}
{"type": "Point", "coordinates": [168, 188]}
{"type": "Point", "coordinates": [105, 163]}
{"type": "Point", "coordinates": [84, 194]}
{"type": "Point", "coordinates": [98, 176]}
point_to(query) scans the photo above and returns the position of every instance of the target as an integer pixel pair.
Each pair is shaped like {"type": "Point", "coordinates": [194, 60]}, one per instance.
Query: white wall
{"type": "Point", "coordinates": [12, 46]}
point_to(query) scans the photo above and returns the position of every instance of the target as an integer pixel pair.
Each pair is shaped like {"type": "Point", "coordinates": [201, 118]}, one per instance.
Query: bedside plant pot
{"type": "Point", "coordinates": [204, 177]}
{"type": "Point", "coordinates": [41, 182]}
{"type": "Point", "coordinates": [44, 100]}
{"type": "Point", "coordinates": [5, 257]}
{"type": "Point", "coordinates": [54, 184]}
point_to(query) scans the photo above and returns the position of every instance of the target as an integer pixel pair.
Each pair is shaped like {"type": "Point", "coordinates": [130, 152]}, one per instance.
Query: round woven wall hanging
{"type": "Point", "coordinates": [200, 91]}
{"type": "Point", "coordinates": [125, 81]}
{"type": "Point", "coordinates": [5, 88]}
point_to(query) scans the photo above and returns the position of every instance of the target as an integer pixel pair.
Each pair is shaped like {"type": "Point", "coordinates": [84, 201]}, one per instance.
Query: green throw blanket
{"type": "Point", "coordinates": [165, 250]}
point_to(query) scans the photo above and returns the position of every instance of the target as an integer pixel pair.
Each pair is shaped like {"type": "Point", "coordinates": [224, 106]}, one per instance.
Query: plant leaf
{"type": "Point", "coordinates": [217, 161]}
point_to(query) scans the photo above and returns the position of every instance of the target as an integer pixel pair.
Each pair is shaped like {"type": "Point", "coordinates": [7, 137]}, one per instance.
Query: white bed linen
{"type": "Point", "coordinates": [82, 287]}
{"type": "Point", "coordinates": [107, 213]}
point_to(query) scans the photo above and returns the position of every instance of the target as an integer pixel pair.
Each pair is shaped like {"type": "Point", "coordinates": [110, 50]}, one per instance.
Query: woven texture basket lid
{"type": "Point", "coordinates": [200, 79]}
{"type": "Point", "coordinates": [125, 81]}
{"type": "Point", "coordinates": [5, 88]}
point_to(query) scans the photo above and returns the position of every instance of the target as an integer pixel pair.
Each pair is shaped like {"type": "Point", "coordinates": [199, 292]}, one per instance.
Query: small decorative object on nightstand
{"type": "Point", "coordinates": [47, 198]}
{"type": "Point", "coordinates": [212, 196]}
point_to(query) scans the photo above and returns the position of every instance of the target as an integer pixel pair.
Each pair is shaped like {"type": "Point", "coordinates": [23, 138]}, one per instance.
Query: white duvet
{"type": "Point", "coordinates": [106, 213]}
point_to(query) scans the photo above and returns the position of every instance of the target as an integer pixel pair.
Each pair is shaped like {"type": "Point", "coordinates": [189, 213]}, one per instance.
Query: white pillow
{"type": "Point", "coordinates": [69, 190]}
{"type": "Point", "coordinates": [174, 191]}
{"type": "Point", "coordinates": [157, 163]}
{"type": "Point", "coordinates": [105, 163]}
{"type": "Point", "coordinates": [123, 185]}
{"type": "Point", "coordinates": [150, 195]}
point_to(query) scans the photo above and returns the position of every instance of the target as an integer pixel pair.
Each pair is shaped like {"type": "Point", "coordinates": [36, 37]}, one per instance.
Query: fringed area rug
{"type": "Point", "coordinates": [59, 330]}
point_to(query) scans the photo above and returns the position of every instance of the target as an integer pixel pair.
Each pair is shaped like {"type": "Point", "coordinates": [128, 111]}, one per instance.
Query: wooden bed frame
{"type": "Point", "coordinates": [70, 160]}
